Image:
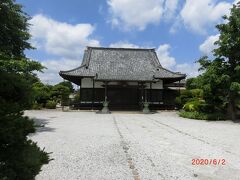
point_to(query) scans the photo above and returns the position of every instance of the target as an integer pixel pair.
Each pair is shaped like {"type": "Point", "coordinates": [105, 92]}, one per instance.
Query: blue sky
{"type": "Point", "coordinates": [181, 31]}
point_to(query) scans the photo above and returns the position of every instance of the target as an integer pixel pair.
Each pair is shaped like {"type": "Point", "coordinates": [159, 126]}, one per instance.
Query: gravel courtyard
{"type": "Point", "coordinates": [121, 145]}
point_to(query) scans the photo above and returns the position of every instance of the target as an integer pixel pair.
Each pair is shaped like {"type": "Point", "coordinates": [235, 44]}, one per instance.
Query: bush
{"type": "Point", "coordinates": [36, 106]}
{"type": "Point", "coordinates": [193, 83]}
{"type": "Point", "coordinates": [238, 104]}
{"type": "Point", "coordinates": [188, 96]}
{"type": "Point", "coordinates": [194, 105]}
{"type": "Point", "coordinates": [185, 96]}
{"type": "Point", "coordinates": [76, 98]}
{"type": "Point", "coordinates": [51, 105]}
{"type": "Point", "coordinates": [20, 158]}
{"type": "Point", "coordinates": [65, 101]}
{"type": "Point", "coordinates": [202, 116]}
{"type": "Point", "coordinates": [197, 93]}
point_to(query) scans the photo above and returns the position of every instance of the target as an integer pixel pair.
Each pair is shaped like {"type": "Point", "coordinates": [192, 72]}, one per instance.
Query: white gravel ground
{"type": "Point", "coordinates": [90, 146]}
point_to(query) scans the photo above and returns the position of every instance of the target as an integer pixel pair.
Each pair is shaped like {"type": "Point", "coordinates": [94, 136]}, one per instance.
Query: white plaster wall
{"type": "Point", "coordinates": [88, 83]}
{"type": "Point", "coordinates": [98, 84]}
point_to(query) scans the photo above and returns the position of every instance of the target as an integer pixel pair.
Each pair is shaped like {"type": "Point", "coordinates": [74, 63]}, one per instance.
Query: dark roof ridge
{"type": "Point", "coordinates": [73, 69]}
{"type": "Point", "coordinates": [121, 48]}
{"type": "Point", "coordinates": [86, 63]}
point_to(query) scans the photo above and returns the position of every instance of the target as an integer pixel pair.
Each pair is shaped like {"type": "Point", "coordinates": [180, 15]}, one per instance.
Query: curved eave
{"type": "Point", "coordinates": [73, 78]}
{"type": "Point", "coordinates": [170, 76]}
{"type": "Point", "coordinates": [172, 79]}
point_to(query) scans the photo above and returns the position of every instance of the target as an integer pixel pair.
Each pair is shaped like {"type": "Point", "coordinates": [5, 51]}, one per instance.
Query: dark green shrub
{"type": "Point", "coordinates": [51, 104]}
{"type": "Point", "coordinates": [20, 158]}
{"type": "Point", "coordinates": [206, 108]}
{"type": "Point", "coordinates": [193, 83]}
{"type": "Point", "coordinates": [188, 96]}
{"type": "Point", "coordinates": [178, 102]}
{"type": "Point", "coordinates": [185, 96]}
{"type": "Point", "coordinates": [238, 104]}
{"type": "Point", "coordinates": [37, 106]}
{"type": "Point", "coordinates": [76, 98]}
{"type": "Point", "coordinates": [197, 93]}
{"type": "Point", "coordinates": [65, 101]}
{"type": "Point", "coordinates": [202, 116]}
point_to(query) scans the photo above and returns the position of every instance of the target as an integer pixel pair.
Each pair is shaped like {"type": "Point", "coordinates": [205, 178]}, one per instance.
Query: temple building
{"type": "Point", "coordinates": [123, 78]}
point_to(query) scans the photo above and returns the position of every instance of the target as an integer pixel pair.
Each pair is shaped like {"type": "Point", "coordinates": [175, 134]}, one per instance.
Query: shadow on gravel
{"type": "Point", "coordinates": [237, 121]}
{"type": "Point", "coordinates": [41, 125]}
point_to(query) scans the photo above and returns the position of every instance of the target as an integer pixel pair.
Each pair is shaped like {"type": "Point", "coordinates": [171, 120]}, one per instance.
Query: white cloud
{"type": "Point", "coordinates": [135, 13]}
{"type": "Point", "coordinates": [50, 75]}
{"type": "Point", "coordinates": [128, 14]}
{"type": "Point", "coordinates": [197, 15]}
{"type": "Point", "coordinates": [191, 70]}
{"type": "Point", "coordinates": [208, 45]}
{"type": "Point", "coordinates": [62, 39]}
{"type": "Point", "coordinates": [236, 1]}
{"type": "Point", "coordinates": [164, 56]}
{"type": "Point", "coordinates": [169, 62]}
{"type": "Point", "coordinates": [123, 44]}
{"type": "Point", "coordinates": [59, 38]}
{"type": "Point", "coordinates": [170, 9]}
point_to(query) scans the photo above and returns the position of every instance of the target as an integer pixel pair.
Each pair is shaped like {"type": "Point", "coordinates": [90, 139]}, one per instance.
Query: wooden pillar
{"type": "Point", "coordinates": [145, 94]}
{"type": "Point", "coordinates": [80, 89]}
{"type": "Point", "coordinates": [105, 95]}
{"type": "Point", "coordinates": [139, 95]}
{"type": "Point", "coordinates": [142, 93]}
{"type": "Point", "coordinates": [93, 93]}
{"type": "Point", "coordinates": [150, 91]}
{"type": "Point", "coordinates": [179, 87]}
{"type": "Point", "coordinates": [146, 103]}
{"type": "Point", "coordinates": [105, 109]}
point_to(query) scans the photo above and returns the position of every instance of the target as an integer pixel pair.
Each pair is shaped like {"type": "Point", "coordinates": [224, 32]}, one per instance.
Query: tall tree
{"type": "Point", "coordinates": [14, 34]}
{"type": "Point", "coordinates": [20, 158]}
{"type": "Point", "coordinates": [221, 79]}
{"type": "Point", "coordinates": [228, 52]}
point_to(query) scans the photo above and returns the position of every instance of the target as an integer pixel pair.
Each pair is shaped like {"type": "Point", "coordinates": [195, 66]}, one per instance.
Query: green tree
{"type": "Point", "coordinates": [14, 34]}
{"type": "Point", "coordinates": [229, 55]}
{"type": "Point", "coordinates": [221, 79]}
{"type": "Point", "coordinates": [42, 93]}
{"type": "Point", "coordinates": [67, 84]}
{"type": "Point", "coordinates": [193, 83]}
{"type": "Point", "coordinates": [61, 92]}
{"type": "Point", "coordinates": [20, 158]}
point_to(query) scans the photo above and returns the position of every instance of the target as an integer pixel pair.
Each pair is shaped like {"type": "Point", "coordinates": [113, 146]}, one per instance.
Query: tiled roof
{"type": "Point", "coordinates": [121, 64]}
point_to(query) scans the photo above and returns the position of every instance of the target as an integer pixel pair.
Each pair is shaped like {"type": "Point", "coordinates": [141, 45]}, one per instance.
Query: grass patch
{"type": "Point", "coordinates": [202, 116]}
